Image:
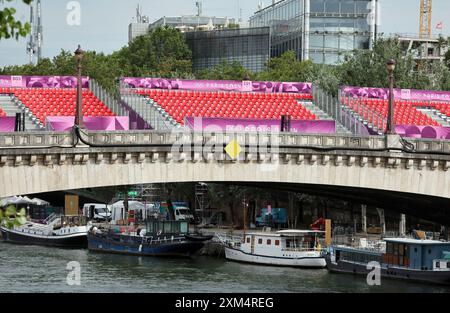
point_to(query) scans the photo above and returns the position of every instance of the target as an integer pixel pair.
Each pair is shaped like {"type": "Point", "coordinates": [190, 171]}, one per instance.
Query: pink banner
{"type": "Point", "coordinates": [423, 132]}
{"type": "Point", "coordinates": [401, 94]}
{"type": "Point", "coordinates": [7, 124]}
{"type": "Point", "coordinates": [66, 123]}
{"type": "Point", "coordinates": [259, 125]}
{"type": "Point", "coordinates": [217, 85]}
{"type": "Point", "coordinates": [42, 81]}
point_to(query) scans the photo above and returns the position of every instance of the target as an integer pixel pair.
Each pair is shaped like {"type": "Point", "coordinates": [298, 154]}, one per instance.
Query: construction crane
{"type": "Point", "coordinates": [426, 10]}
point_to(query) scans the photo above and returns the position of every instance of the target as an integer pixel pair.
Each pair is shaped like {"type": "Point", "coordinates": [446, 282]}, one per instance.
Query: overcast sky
{"type": "Point", "coordinates": [104, 23]}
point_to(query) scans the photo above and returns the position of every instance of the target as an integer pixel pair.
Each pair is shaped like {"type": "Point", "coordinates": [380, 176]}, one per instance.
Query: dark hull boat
{"type": "Point", "coordinates": [133, 245]}
{"type": "Point", "coordinates": [424, 261]}
{"type": "Point", "coordinates": [71, 241]}
{"type": "Point", "coordinates": [434, 277]}
{"type": "Point", "coordinates": [156, 238]}
{"type": "Point", "coordinates": [58, 231]}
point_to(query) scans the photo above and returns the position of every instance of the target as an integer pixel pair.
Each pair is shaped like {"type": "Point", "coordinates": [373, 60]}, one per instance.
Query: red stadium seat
{"type": "Point", "coordinates": [181, 104]}
{"type": "Point", "coordinates": [406, 112]}
{"type": "Point", "coordinates": [59, 102]}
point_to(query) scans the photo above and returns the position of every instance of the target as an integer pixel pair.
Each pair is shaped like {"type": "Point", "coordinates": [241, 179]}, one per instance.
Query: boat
{"type": "Point", "coordinates": [155, 238]}
{"type": "Point", "coordinates": [408, 259]}
{"type": "Point", "coordinates": [290, 248]}
{"type": "Point", "coordinates": [56, 231]}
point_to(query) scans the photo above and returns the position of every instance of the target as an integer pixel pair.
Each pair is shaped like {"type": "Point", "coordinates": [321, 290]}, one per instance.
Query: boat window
{"type": "Point", "coordinates": [429, 251]}
{"type": "Point", "coordinates": [277, 242]}
{"type": "Point", "coordinates": [260, 241]}
{"type": "Point", "coordinates": [390, 248]}
{"type": "Point", "coordinates": [415, 250]}
{"type": "Point", "coordinates": [401, 250]}
{"type": "Point", "coordinates": [248, 239]}
{"type": "Point", "coordinates": [269, 242]}
{"type": "Point", "coordinates": [448, 265]}
{"type": "Point", "coordinates": [438, 264]}
{"type": "Point", "coordinates": [395, 249]}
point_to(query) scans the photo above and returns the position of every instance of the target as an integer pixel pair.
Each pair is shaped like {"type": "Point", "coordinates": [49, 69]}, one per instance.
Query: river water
{"type": "Point", "coordinates": [40, 269]}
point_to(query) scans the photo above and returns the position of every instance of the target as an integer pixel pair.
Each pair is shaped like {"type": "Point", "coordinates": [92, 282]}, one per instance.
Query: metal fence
{"type": "Point", "coordinates": [113, 104]}
{"type": "Point", "coordinates": [152, 113]}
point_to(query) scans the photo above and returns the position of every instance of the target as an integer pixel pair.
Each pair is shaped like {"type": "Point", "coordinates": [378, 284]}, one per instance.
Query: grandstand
{"type": "Point", "coordinates": [162, 104]}
{"type": "Point", "coordinates": [40, 103]}
{"type": "Point", "coordinates": [406, 112]}
{"type": "Point", "coordinates": [229, 105]}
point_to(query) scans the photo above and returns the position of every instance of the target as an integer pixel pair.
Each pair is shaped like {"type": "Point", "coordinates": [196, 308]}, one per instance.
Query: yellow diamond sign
{"type": "Point", "coordinates": [233, 149]}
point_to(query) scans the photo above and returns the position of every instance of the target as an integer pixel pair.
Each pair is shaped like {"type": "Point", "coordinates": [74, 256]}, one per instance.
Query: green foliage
{"type": "Point", "coordinates": [160, 53]}
{"type": "Point", "coordinates": [9, 26]}
{"type": "Point", "coordinates": [287, 68]}
{"type": "Point", "coordinates": [447, 59]}
{"type": "Point", "coordinates": [225, 71]}
{"type": "Point", "coordinates": [11, 218]}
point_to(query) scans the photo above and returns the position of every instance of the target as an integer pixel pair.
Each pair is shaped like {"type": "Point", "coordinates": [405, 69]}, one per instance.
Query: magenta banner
{"type": "Point", "coordinates": [423, 132]}
{"type": "Point", "coordinates": [259, 125]}
{"type": "Point", "coordinates": [401, 94]}
{"type": "Point", "coordinates": [7, 124]}
{"type": "Point", "coordinates": [66, 123]}
{"type": "Point", "coordinates": [42, 81]}
{"type": "Point", "coordinates": [217, 85]}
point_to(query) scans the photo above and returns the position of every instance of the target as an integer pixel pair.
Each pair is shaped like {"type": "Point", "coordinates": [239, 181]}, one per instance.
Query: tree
{"type": "Point", "coordinates": [10, 26]}
{"type": "Point", "coordinates": [162, 52]}
{"type": "Point", "coordinates": [287, 68]}
{"type": "Point", "coordinates": [368, 68]}
{"type": "Point", "coordinates": [447, 59]}
{"type": "Point", "coordinates": [225, 71]}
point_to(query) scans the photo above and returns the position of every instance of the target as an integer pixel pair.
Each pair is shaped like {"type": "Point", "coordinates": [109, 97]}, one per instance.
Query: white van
{"type": "Point", "coordinates": [182, 212]}
{"type": "Point", "coordinates": [97, 212]}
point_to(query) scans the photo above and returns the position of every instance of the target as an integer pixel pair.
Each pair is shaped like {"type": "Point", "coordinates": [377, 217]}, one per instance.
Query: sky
{"type": "Point", "coordinates": [104, 23]}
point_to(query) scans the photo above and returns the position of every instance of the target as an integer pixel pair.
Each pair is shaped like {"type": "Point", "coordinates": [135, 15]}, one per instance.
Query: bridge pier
{"type": "Point", "coordinates": [364, 218]}
{"type": "Point", "coordinates": [382, 220]}
{"type": "Point", "coordinates": [402, 225]}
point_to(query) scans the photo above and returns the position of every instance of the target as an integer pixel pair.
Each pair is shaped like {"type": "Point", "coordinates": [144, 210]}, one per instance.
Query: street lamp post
{"type": "Point", "coordinates": [79, 109]}
{"type": "Point", "coordinates": [391, 113]}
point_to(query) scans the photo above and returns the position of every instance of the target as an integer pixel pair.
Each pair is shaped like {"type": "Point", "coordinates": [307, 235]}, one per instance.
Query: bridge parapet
{"type": "Point", "coordinates": [40, 140]}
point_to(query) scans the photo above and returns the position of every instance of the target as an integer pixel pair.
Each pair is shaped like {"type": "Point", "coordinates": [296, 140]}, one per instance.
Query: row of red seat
{"type": "Point", "coordinates": [405, 112]}
{"type": "Point", "coordinates": [58, 102]}
{"type": "Point", "coordinates": [2, 113]}
{"type": "Point", "coordinates": [182, 94]}
{"type": "Point", "coordinates": [181, 104]}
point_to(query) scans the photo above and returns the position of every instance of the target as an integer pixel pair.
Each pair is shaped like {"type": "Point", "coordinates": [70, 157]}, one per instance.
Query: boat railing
{"type": "Point", "coordinates": [228, 240]}
{"type": "Point", "coordinates": [317, 249]}
{"type": "Point", "coordinates": [53, 219]}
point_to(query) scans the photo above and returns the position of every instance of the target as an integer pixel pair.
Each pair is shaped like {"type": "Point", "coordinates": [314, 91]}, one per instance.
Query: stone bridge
{"type": "Point", "coordinates": [385, 171]}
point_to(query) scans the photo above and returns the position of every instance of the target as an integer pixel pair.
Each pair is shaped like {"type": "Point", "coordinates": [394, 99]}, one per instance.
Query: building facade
{"type": "Point", "coordinates": [320, 30]}
{"type": "Point", "coordinates": [137, 29]}
{"type": "Point", "coordinates": [193, 22]}
{"type": "Point", "coordinates": [248, 46]}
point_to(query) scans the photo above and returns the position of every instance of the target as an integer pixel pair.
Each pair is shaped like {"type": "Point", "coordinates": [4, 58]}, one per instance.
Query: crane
{"type": "Point", "coordinates": [426, 10]}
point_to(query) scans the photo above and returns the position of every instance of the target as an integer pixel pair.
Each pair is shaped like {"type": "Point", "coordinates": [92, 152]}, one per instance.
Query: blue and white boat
{"type": "Point", "coordinates": [399, 258]}
{"type": "Point", "coordinates": [156, 238]}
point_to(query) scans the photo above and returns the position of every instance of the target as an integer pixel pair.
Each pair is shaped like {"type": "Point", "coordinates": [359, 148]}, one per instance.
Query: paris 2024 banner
{"type": "Point", "coordinates": [42, 82]}
{"type": "Point", "coordinates": [217, 85]}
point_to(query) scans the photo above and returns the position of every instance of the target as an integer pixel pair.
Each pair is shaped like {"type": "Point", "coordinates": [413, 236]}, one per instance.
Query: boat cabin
{"type": "Point", "coordinates": [282, 242]}
{"type": "Point", "coordinates": [166, 227]}
{"type": "Point", "coordinates": [424, 255]}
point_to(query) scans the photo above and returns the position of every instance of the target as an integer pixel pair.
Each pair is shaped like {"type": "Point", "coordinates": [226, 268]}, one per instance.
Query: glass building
{"type": "Point", "coordinates": [191, 22]}
{"type": "Point", "coordinates": [320, 30]}
{"type": "Point", "coordinates": [248, 46]}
